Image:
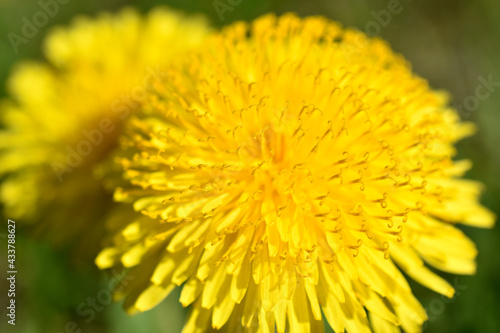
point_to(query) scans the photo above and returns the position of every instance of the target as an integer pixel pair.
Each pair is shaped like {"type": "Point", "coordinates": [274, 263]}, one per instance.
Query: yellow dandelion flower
{"type": "Point", "coordinates": [64, 115]}
{"type": "Point", "coordinates": [290, 170]}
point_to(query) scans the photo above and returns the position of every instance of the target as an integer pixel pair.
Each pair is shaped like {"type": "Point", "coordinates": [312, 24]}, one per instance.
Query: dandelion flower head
{"type": "Point", "coordinates": [64, 114]}
{"type": "Point", "coordinates": [289, 171]}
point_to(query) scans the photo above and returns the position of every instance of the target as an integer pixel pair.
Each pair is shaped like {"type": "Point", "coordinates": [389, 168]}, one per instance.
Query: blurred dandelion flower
{"type": "Point", "coordinates": [64, 115]}
{"type": "Point", "coordinates": [289, 169]}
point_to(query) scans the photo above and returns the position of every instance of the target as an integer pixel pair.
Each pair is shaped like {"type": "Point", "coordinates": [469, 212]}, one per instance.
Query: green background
{"type": "Point", "coordinates": [450, 42]}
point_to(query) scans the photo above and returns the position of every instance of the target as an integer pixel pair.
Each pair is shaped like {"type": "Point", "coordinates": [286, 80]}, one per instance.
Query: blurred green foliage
{"type": "Point", "coordinates": [449, 42]}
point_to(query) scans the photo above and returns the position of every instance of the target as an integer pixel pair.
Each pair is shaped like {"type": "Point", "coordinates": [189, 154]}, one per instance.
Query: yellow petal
{"type": "Point", "coordinates": [153, 295]}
